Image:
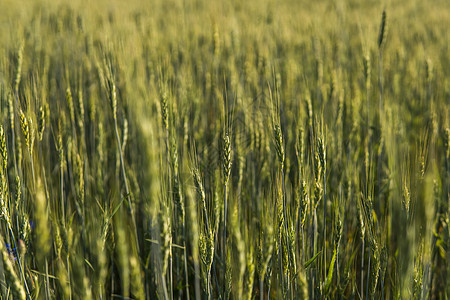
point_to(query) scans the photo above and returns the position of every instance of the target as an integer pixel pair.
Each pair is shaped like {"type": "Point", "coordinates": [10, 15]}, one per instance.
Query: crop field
{"type": "Point", "coordinates": [176, 149]}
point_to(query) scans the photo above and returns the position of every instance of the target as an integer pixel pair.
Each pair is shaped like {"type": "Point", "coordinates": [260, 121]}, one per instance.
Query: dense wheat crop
{"type": "Point", "coordinates": [224, 149]}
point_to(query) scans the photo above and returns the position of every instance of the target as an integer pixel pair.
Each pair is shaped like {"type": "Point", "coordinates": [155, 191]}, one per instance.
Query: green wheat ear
{"type": "Point", "coordinates": [226, 157]}
{"type": "Point", "coordinates": [25, 128]}
{"type": "Point", "coordinates": [11, 110]}
{"type": "Point", "coordinates": [383, 30]}
{"type": "Point", "coordinates": [3, 150]}
{"type": "Point", "coordinates": [70, 103]}
{"type": "Point", "coordinates": [279, 145]}
{"type": "Point", "coordinates": [367, 70]}
{"type": "Point", "coordinates": [17, 290]}
{"type": "Point", "coordinates": [19, 68]}
{"type": "Point", "coordinates": [164, 109]}
{"type": "Point", "coordinates": [112, 97]}
{"type": "Point", "coordinates": [41, 123]}
{"type": "Point", "coordinates": [374, 269]}
{"type": "Point", "coordinates": [406, 199]}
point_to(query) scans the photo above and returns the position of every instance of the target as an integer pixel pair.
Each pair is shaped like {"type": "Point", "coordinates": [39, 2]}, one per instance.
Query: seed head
{"type": "Point", "coordinates": [383, 31]}
{"type": "Point", "coordinates": [164, 110]}
{"type": "Point", "coordinates": [70, 103]}
{"type": "Point", "coordinates": [406, 197]}
{"type": "Point", "coordinates": [303, 203]}
{"type": "Point", "coordinates": [206, 246]}
{"type": "Point", "coordinates": [11, 277]}
{"type": "Point", "coordinates": [338, 228]}
{"type": "Point", "coordinates": [11, 111]}
{"type": "Point", "coordinates": [41, 124]}
{"type": "Point", "coordinates": [18, 193]}
{"type": "Point", "coordinates": [367, 70]}
{"type": "Point", "coordinates": [19, 68]}
{"type": "Point", "coordinates": [198, 184]}
{"type": "Point", "coordinates": [113, 97]}
{"type": "Point", "coordinates": [81, 108]}
{"type": "Point", "coordinates": [374, 269]}
{"type": "Point", "coordinates": [322, 153]}
{"type": "Point", "coordinates": [226, 157]}
{"type": "Point", "coordinates": [309, 109]}
{"type": "Point", "coordinates": [3, 150]}
{"type": "Point", "coordinates": [125, 133]}
{"type": "Point", "coordinates": [279, 144]}
{"type": "Point", "coordinates": [25, 128]}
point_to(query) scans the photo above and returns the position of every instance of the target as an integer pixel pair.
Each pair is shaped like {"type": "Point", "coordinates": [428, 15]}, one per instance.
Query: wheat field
{"type": "Point", "coordinates": [175, 149]}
